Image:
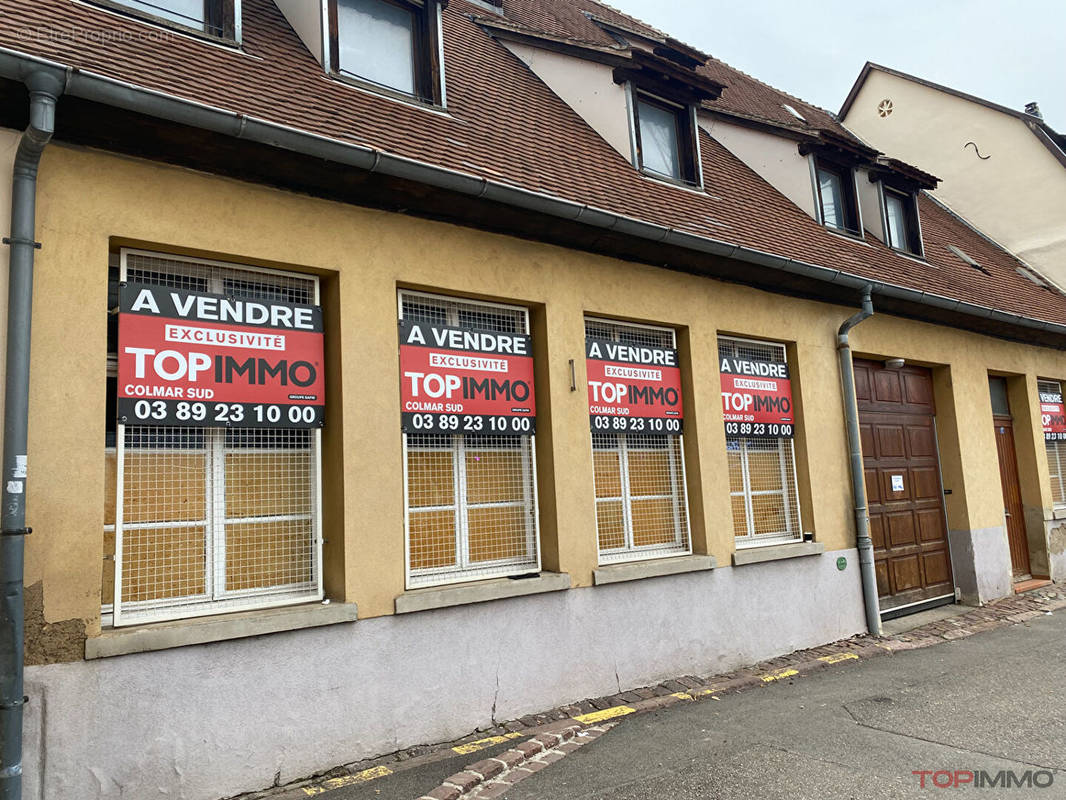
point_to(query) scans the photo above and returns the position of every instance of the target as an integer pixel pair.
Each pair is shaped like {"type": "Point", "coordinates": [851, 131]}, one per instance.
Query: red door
{"type": "Point", "coordinates": [907, 524]}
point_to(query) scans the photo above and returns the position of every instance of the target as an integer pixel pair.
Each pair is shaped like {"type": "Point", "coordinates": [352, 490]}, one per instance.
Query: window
{"type": "Point", "coordinates": [665, 139]}
{"type": "Point", "coordinates": [471, 500]}
{"type": "Point", "coordinates": [901, 221]}
{"type": "Point", "coordinates": [1056, 449]}
{"type": "Point", "coordinates": [641, 500]}
{"type": "Point", "coordinates": [762, 472]}
{"type": "Point", "coordinates": [205, 520]}
{"type": "Point", "coordinates": [997, 388]}
{"type": "Point", "coordinates": [215, 17]}
{"type": "Point", "coordinates": [836, 197]}
{"type": "Point", "coordinates": [392, 44]}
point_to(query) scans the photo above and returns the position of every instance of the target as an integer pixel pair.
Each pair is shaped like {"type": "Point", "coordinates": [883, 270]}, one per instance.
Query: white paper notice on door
{"type": "Point", "coordinates": [897, 483]}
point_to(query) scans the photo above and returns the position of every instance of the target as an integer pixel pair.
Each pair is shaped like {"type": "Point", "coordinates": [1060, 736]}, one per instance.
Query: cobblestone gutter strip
{"type": "Point", "coordinates": [687, 688]}
{"type": "Point", "coordinates": [490, 778]}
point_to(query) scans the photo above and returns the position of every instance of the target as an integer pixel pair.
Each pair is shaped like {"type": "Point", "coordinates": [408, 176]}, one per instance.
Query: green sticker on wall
{"type": "Point", "coordinates": [842, 563]}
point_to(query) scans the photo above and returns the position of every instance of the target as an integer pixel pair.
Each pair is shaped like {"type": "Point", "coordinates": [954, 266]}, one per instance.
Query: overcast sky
{"type": "Point", "coordinates": [1008, 51]}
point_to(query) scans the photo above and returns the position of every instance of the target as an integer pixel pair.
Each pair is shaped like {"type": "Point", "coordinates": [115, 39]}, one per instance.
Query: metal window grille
{"type": "Point", "coordinates": [205, 520]}
{"type": "Point", "coordinates": [1056, 454]}
{"type": "Point", "coordinates": [762, 472]}
{"type": "Point", "coordinates": [470, 503]}
{"type": "Point", "coordinates": [641, 498]}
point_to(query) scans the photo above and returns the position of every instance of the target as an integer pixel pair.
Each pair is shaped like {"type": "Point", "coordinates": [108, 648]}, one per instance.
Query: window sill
{"type": "Point", "coordinates": [775, 552]}
{"type": "Point", "coordinates": [909, 255]}
{"type": "Point", "coordinates": [479, 592]}
{"type": "Point", "coordinates": [202, 630]}
{"type": "Point", "coordinates": [676, 183]}
{"type": "Point", "coordinates": [847, 235]}
{"type": "Point", "coordinates": [1058, 513]}
{"type": "Point", "coordinates": [653, 568]}
{"type": "Point", "coordinates": [368, 87]}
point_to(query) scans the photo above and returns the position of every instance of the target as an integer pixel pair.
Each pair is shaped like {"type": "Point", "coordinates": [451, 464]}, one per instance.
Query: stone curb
{"type": "Point", "coordinates": [491, 777]}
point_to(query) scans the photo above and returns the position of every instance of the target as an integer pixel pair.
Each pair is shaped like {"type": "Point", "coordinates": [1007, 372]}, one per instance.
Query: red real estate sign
{"type": "Point", "coordinates": [633, 388]}
{"type": "Point", "coordinates": [462, 380]}
{"type": "Point", "coordinates": [207, 360]}
{"type": "Point", "coordinates": [1053, 416]}
{"type": "Point", "coordinates": [756, 399]}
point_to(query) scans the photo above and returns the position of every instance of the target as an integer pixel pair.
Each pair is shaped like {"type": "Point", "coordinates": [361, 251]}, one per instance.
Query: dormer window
{"type": "Point", "coordinates": [901, 221]}
{"type": "Point", "coordinates": [665, 139]}
{"type": "Point", "coordinates": [213, 17]}
{"type": "Point", "coordinates": [836, 197]}
{"type": "Point", "coordinates": [391, 44]}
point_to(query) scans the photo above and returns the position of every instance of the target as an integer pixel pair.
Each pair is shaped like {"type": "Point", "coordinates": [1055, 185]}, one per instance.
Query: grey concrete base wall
{"type": "Point", "coordinates": [1037, 535]}
{"type": "Point", "coordinates": [980, 561]}
{"type": "Point", "coordinates": [212, 720]}
{"type": "Point", "coordinates": [1056, 549]}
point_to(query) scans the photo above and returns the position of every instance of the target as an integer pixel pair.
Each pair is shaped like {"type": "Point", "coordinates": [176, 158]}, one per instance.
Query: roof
{"type": "Point", "coordinates": [505, 126]}
{"type": "Point", "coordinates": [1055, 142]}
{"type": "Point", "coordinates": [745, 95]}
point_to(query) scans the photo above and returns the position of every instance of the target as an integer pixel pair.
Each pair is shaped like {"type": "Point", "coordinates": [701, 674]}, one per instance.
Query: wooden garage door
{"type": "Point", "coordinates": [907, 524]}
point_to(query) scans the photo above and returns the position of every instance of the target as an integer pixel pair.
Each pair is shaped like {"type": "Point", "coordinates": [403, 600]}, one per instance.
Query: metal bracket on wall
{"type": "Point", "coordinates": [10, 240]}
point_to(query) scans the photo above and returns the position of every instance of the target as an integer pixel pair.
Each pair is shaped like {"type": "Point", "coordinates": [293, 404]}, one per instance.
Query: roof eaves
{"type": "Point", "coordinates": [655, 37]}
{"type": "Point", "coordinates": [1040, 130]}
{"type": "Point", "coordinates": [926, 179]}
{"type": "Point", "coordinates": [856, 87]}
{"type": "Point", "coordinates": [509, 30]}
{"type": "Point", "coordinates": [649, 33]}
{"type": "Point", "coordinates": [796, 131]}
{"type": "Point", "coordinates": [117, 93]}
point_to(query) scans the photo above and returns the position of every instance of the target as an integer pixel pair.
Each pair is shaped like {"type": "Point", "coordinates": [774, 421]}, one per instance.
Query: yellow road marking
{"type": "Point", "coordinates": [347, 780]}
{"type": "Point", "coordinates": [683, 696]}
{"type": "Point", "coordinates": [781, 673]}
{"type": "Point", "coordinates": [607, 713]}
{"type": "Point", "coordinates": [481, 744]}
{"type": "Point", "coordinates": [837, 658]}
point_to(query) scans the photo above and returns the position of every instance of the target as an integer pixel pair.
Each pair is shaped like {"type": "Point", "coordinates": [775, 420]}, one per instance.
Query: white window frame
{"type": "Point", "coordinates": [788, 478]}
{"type": "Point", "coordinates": [682, 529]}
{"type": "Point", "coordinates": [910, 198]}
{"type": "Point", "coordinates": [213, 600]}
{"type": "Point", "coordinates": [466, 571]}
{"type": "Point", "coordinates": [355, 80]}
{"type": "Point", "coordinates": [634, 95]}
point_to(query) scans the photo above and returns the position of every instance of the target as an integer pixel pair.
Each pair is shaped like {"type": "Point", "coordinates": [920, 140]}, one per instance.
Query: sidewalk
{"type": "Point", "coordinates": [485, 764]}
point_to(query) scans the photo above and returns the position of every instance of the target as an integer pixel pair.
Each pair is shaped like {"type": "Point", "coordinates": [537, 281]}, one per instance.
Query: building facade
{"type": "Point", "coordinates": [564, 359]}
{"type": "Point", "coordinates": [1003, 169]}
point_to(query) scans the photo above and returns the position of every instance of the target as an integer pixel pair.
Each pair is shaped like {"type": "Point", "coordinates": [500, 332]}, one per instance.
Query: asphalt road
{"type": "Point", "coordinates": [994, 701]}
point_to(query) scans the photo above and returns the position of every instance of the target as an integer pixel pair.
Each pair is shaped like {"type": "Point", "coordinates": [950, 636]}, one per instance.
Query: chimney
{"type": "Point", "coordinates": [1033, 110]}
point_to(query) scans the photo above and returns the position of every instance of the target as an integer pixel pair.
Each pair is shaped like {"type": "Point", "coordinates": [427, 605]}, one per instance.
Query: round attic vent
{"type": "Point", "coordinates": [884, 108]}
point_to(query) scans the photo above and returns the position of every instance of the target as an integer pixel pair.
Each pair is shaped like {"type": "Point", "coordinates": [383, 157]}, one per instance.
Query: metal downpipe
{"type": "Point", "coordinates": [858, 477]}
{"type": "Point", "coordinates": [45, 88]}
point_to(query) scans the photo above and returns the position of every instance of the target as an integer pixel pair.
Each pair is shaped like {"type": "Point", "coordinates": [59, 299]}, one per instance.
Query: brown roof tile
{"type": "Point", "coordinates": [505, 125]}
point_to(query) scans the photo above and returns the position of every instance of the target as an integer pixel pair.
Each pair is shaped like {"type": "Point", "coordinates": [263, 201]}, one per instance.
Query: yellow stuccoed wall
{"type": "Point", "coordinates": [90, 201]}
